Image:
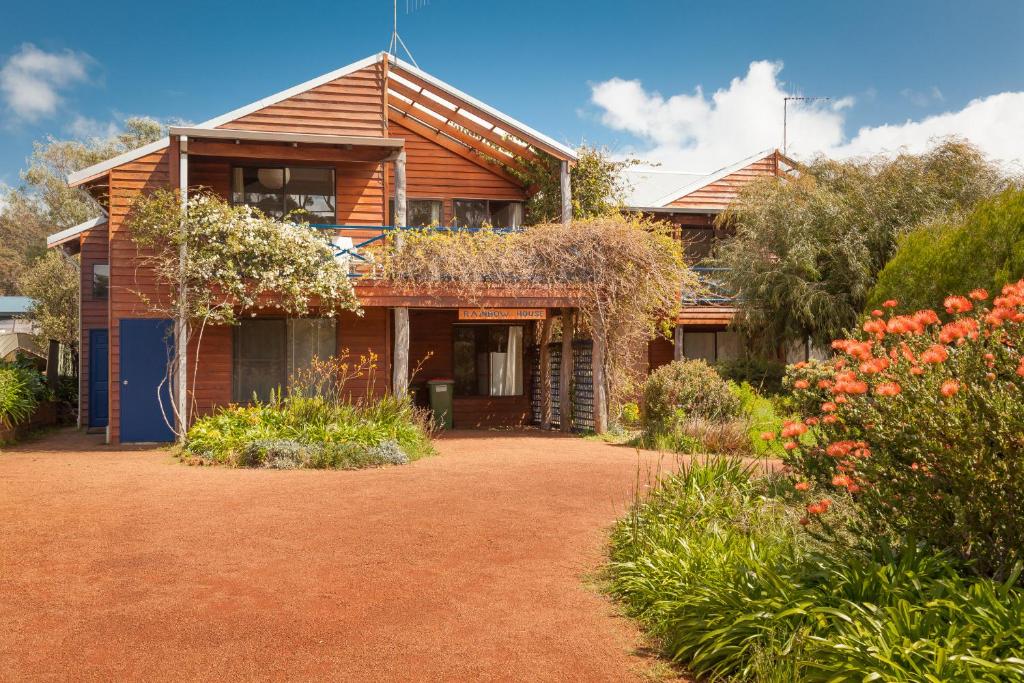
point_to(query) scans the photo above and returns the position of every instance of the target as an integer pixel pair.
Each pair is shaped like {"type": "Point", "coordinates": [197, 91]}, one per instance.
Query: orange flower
{"type": "Point", "coordinates": [936, 353]}
{"type": "Point", "coordinates": [824, 384]}
{"type": "Point", "coordinates": [791, 429]}
{"type": "Point", "coordinates": [832, 419]}
{"type": "Point", "coordinates": [890, 303]}
{"type": "Point", "coordinates": [926, 317]}
{"type": "Point", "coordinates": [949, 387]}
{"type": "Point", "coordinates": [875, 327]}
{"type": "Point", "coordinates": [801, 486]}
{"type": "Point", "coordinates": [877, 313]}
{"type": "Point", "coordinates": [916, 370]}
{"type": "Point", "coordinates": [841, 480]}
{"type": "Point", "coordinates": [801, 384]}
{"type": "Point", "coordinates": [1020, 368]}
{"type": "Point", "coordinates": [811, 421]}
{"type": "Point", "coordinates": [957, 304]}
{"type": "Point", "coordinates": [828, 407]}
{"type": "Point", "coordinates": [789, 445]}
{"type": "Point", "coordinates": [853, 488]}
{"type": "Point", "coordinates": [888, 389]}
{"type": "Point", "coordinates": [816, 508]}
{"type": "Point", "coordinates": [768, 436]}
{"type": "Point", "coordinates": [978, 294]}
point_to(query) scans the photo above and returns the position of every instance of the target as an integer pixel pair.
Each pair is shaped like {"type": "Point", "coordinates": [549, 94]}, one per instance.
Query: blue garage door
{"type": "Point", "coordinates": [146, 346]}
{"type": "Point", "coordinates": [99, 377]}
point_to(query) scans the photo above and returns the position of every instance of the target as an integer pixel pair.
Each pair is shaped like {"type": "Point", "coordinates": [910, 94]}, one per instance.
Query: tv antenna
{"type": "Point", "coordinates": [396, 40]}
{"type": "Point", "coordinates": [785, 114]}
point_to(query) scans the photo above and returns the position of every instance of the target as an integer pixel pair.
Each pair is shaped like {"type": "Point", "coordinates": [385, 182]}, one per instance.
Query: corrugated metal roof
{"type": "Point", "coordinates": [646, 186]}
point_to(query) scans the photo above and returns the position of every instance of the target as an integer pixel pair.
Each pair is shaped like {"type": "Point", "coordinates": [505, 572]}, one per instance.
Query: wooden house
{"type": "Point", "coordinates": [374, 144]}
{"type": "Point", "coordinates": [692, 202]}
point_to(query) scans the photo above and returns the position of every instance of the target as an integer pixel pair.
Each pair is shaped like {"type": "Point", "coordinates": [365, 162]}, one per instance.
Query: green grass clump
{"type": "Point", "coordinates": [325, 433]}
{"type": "Point", "coordinates": [717, 566]}
{"type": "Point", "coordinates": [19, 394]}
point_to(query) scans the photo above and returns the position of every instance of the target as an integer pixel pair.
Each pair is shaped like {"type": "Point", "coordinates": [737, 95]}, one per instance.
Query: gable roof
{"type": "Point", "coordinates": [689, 183]}
{"type": "Point", "coordinates": [647, 186]}
{"type": "Point", "coordinates": [63, 236]}
{"type": "Point", "coordinates": [509, 125]}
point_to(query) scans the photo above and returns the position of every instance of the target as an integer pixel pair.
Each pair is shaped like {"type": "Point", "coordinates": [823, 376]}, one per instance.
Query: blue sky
{"type": "Point", "coordinates": [623, 74]}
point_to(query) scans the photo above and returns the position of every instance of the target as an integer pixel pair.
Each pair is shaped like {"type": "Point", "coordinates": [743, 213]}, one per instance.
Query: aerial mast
{"type": "Point", "coordinates": [396, 40]}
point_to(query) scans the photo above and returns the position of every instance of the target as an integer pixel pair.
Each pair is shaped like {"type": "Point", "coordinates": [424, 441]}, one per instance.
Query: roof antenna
{"type": "Point", "coordinates": [785, 114]}
{"type": "Point", "coordinates": [396, 40]}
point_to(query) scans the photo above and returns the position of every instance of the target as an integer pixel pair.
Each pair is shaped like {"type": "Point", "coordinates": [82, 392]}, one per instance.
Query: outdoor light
{"type": "Point", "coordinates": [273, 178]}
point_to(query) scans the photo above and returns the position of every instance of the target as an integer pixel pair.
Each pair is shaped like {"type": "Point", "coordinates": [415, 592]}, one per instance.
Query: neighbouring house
{"type": "Point", "coordinates": [691, 202]}
{"type": "Point", "coordinates": [345, 146]}
{"type": "Point", "coordinates": [18, 335]}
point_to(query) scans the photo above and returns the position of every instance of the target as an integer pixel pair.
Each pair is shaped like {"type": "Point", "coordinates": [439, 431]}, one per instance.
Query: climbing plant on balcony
{"type": "Point", "coordinates": [216, 262]}
{"type": "Point", "coordinates": [625, 275]}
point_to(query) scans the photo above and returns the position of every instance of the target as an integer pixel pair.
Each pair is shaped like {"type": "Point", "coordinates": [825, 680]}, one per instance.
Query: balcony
{"type": "Point", "coordinates": [714, 291]}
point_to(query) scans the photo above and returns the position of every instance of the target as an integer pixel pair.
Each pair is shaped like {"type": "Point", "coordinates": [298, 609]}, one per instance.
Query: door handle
{"type": "Point", "coordinates": [124, 382]}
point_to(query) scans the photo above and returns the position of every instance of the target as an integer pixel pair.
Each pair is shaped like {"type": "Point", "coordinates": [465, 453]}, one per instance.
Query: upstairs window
{"type": "Point", "coordinates": [419, 213]}
{"type": "Point", "coordinates": [475, 213]}
{"type": "Point", "coordinates": [100, 281]}
{"type": "Point", "coordinates": [300, 192]}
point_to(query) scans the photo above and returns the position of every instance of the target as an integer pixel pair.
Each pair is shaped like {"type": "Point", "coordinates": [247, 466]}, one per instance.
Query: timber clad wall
{"type": "Point", "coordinates": [361, 336]}
{"type": "Point", "coordinates": [434, 172]}
{"type": "Point", "coordinates": [94, 311]}
{"type": "Point", "coordinates": [350, 105]}
{"type": "Point", "coordinates": [719, 194]}
{"type": "Point", "coordinates": [127, 279]}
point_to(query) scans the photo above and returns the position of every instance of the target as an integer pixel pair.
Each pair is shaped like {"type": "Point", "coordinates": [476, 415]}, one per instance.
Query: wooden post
{"type": "Point", "coordinates": [181, 324]}
{"type": "Point", "coordinates": [565, 371]}
{"type": "Point", "coordinates": [400, 358]}
{"type": "Point", "coordinates": [566, 194]}
{"type": "Point", "coordinates": [678, 339]}
{"type": "Point", "coordinates": [600, 341]}
{"type": "Point", "coordinates": [545, 374]}
{"type": "Point", "coordinates": [400, 203]}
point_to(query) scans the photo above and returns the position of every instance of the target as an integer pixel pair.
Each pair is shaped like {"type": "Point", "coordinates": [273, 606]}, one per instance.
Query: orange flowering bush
{"type": "Point", "coordinates": [920, 417]}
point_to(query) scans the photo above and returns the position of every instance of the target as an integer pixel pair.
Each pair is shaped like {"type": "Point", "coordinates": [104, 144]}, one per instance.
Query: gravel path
{"type": "Point", "coordinates": [472, 565]}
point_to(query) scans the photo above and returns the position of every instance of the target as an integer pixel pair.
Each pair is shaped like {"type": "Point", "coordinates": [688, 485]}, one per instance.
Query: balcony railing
{"type": "Point", "coordinates": [355, 252]}
{"type": "Point", "coordinates": [714, 291]}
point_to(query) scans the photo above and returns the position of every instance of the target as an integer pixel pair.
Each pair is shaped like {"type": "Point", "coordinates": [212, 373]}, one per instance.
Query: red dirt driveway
{"type": "Point", "coordinates": [476, 564]}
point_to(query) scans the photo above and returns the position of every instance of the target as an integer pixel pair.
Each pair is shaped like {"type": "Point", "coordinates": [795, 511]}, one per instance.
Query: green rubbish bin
{"type": "Point", "coordinates": [441, 401]}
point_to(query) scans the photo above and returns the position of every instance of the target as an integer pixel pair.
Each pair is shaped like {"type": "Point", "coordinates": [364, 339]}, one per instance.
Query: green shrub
{"type": "Point", "coordinates": [312, 431]}
{"type": "Point", "coordinates": [764, 374]}
{"type": "Point", "coordinates": [685, 389]}
{"type": "Point", "coordinates": [760, 417]}
{"type": "Point", "coordinates": [924, 423]}
{"type": "Point", "coordinates": [20, 388]}
{"type": "Point", "coordinates": [718, 568]}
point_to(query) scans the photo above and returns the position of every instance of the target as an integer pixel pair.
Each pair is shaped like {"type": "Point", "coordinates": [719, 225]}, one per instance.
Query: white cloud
{"type": "Point", "coordinates": [31, 80]}
{"type": "Point", "coordinates": [694, 132]}
{"type": "Point", "coordinates": [84, 128]}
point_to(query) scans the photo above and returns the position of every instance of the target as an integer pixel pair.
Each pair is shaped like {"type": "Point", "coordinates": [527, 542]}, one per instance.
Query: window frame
{"type": "Point", "coordinates": [522, 362]}
{"type": "Point", "coordinates": [408, 200]}
{"type": "Point", "coordinates": [105, 295]}
{"type": "Point", "coordinates": [315, 166]}
{"type": "Point", "coordinates": [490, 213]}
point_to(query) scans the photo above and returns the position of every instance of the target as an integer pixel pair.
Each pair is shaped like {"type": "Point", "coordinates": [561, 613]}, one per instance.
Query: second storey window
{"type": "Point", "coordinates": [301, 192]}
{"type": "Point", "coordinates": [100, 281]}
{"type": "Point", "coordinates": [419, 213]}
{"type": "Point", "coordinates": [475, 213]}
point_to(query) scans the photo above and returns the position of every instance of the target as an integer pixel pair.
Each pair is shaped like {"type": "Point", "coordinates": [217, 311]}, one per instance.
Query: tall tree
{"type": "Point", "coordinates": [44, 203]}
{"type": "Point", "coordinates": [945, 256]}
{"type": "Point", "coordinates": [807, 250]}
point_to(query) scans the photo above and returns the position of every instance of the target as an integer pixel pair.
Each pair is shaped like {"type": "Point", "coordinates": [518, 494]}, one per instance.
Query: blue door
{"type": "Point", "coordinates": [99, 377]}
{"type": "Point", "coordinates": [146, 346]}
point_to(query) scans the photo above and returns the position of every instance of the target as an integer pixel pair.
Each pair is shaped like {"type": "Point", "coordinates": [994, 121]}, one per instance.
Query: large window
{"type": "Point", "coordinates": [712, 346]}
{"type": "Point", "coordinates": [301, 192]}
{"type": "Point", "coordinates": [419, 213]}
{"type": "Point", "coordinates": [488, 360]}
{"type": "Point", "coordinates": [269, 352]}
{"type": "Point", "coordinates": [475, 213]}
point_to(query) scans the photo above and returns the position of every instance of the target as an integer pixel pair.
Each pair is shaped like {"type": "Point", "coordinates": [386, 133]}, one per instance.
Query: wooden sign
{"type": "Point", "coordinates": [482, 314]}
